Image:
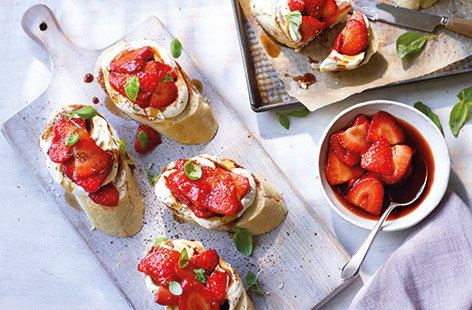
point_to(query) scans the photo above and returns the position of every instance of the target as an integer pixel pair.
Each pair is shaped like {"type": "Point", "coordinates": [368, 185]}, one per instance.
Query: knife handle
{"type": "Point", "coordinates": [459, 25]}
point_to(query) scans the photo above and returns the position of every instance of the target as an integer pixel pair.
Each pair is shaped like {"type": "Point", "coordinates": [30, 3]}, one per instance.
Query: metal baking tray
{"type": "Point", "coordinates": [267, 91]}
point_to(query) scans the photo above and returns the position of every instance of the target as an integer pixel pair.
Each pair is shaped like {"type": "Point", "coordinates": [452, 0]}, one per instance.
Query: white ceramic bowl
{"type": "Point", "coordinates": [428, 130]}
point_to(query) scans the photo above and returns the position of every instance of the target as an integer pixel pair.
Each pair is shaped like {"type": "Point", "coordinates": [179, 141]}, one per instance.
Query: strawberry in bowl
{"type": "Point", "coordinates": [371, 150]}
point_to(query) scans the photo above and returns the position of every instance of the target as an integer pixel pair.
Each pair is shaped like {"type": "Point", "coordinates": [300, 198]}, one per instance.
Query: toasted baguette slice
{"type": "Point", "coordinates": [270, 15]}
{"type": "Point", "coordinates": [123, 220]}
{"type": "Point", "coordinates": [236, 295]}
{"type": "Point", "coordinates": [189, 120]}
{"type": "Point", "coordinates": [264, 213]}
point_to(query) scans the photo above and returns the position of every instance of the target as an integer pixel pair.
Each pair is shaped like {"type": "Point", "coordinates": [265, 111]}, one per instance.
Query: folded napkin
{"type": "Point", "coordinates": [432, 269]}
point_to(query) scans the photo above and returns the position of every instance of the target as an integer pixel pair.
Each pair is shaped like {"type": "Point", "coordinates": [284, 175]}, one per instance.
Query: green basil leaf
{"type": "Point", "coordinates": [294, 19]}
{"type": "Point", "coordinates": [256, 290]}
{"type": "Point", "coordinates": [167, 78]}
{"type": "Point", "coordinates": [143, 139]}
{"type": "Point", "coordinates": [200, 275]}
{"type": "Point", "coordinates": [411, 42]}
{"type": "Point", "coordinates": [466, 96]}
{"type": "Point", "coordinates": [242, 241]}
{"type": "Point", "coordinates": [175, 48]}
{"type": "Point", "coordinates": [152, 178]}
{"type": "Point", "coordinates": [132, 87]}
{"type": "Point", "coordinates": [458, 116]}
{"type": "Point", "coordinates": [192, 171]}
{"type": "Point", "coordinates": [175, 288]}
{"type": "Point", "coordinates": [71, 139]}
{"type": "Point", "coordinates": [299, 113]}
{"type": "Point", "coordinates": [124, 152]}
{"type": "Point", "coordinates": [430, 114]}
{"type": "Point", "coordinates": [183, 259]}
{"type": "Point", "coordinates": [284, 121]}
{"type": "Point", "coordinates": [85, 112]}
{"type": "Point", "coordinates": [252, 284]}
{"type": "Point", "coordinates": [160, 240]}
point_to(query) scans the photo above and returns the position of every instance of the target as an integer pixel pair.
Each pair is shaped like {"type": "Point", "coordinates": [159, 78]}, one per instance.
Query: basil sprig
{"type": "Point", "coordinates": [430, 114]}
{"type": "Point", "coordinates": [132, 87]}
{"type": "Point", "coordinates": [285, 121]}
{"type": "Point", "coordinates": [183, 258]}
{"type": "Point", "coordinates": [143, 139]}
{"type": "Point", "coordinates": [160, 240]}
{"type": "Point", "coordinates": [294, 19]}
{"type": "Point", "coordinates": [85, 113]}
{"type": "Point", "coordinates": [71, 139]}
{"type": "Point", "coordinates": [460, 111]}
{"type": "Point", "coordinates": [242, 241]}
{"type": "Point", "coordinates": [192, 170]}
{"type": "Point", "coordinates": [411, 42]}
{"type": "Point", "coordinates": [175, 288]}
{"type": "Point", "coordinates": [124, 152]}
{"type": "Point", "coordinates": [200, 275]}
{"type": "Point", "coordinates": [175, 48]}
{"type": "Point", "coordinates": [252, 284]}
{"type": "Point", "coordinates": [167, 78]}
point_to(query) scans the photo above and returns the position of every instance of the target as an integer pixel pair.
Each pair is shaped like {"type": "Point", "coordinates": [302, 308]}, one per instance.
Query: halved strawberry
{"type": "Point", "coordinates": [354, 36]}
{"type": "Point", "coordinates": [148, 77]}
{"type": "Point", "coordinates": [402, 155]}
{"type": "Point", "coordinates": [338, 172]}
{"type": "Point", "coordinates": [186, 272]}
{"type": "Point", "coordinates": [223, 198]}
{"type": "Point", "coordinates": [347, 157]}
{"type": "Point", "coordinates": [89, 158]}
{"type": "Point", "coordinates": [165, 298]}
{"type": "Point", "coordinates": [164, 94]}
{"type": "Point", "coordinates": [368, 194]}
{"type": "Point", "coordinates": [329, 10]}
{"type": "Point", "coordinates": [202, 213]}
{"type": "Point", "coordinates": [359, 120]}
{"type": "Point", "coordinates": [218, 283]}
{"type": "Point", "coordinates": [160, 266]}
{"type": "Point", "coordinates": [207, 260]}
{"type": "Point", "coordinates": [132, 61]}
{"type": "Point", "coordinates": [310, 28]}
{"type": "Point", "coordinates": [91, 183]}
{"type": "Point", "coordinates": [107, 195]}
{"type": "Point", "coordinates": [197, 299]}
{"type": "Point", "coordinates": [379, 157]}
{"type": "Point", "coordinates": [58, 151]}
{"type": "Point", "coordinates": [240, 181]}
{"type": "Point", "coordinates": [354, 139]}
{"type": "Point", "coordinates": [296, 5]}
{"type": "Point", "coordinates": [154, 139]}
{"type": "Point", "coordinates": [313, 8]}
{"type": "Point", "coordinates": [384, 124]}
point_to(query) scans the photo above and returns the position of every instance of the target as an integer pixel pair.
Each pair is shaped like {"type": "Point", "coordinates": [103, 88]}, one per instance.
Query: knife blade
{"type": "Point", "coordinates": [399, 16]}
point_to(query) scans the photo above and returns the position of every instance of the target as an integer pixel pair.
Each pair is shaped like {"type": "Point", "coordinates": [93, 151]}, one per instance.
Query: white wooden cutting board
{"type": "Point", "coordinates": [300, 260]}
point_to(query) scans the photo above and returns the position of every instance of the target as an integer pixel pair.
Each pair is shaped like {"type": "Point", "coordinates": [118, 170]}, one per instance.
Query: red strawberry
{"type": "Point", "coordinates": [330, 20]}
{"type": "Point", "coordinates": [296, 5]}
{"type": "Point", "coordinates": [148, 78]}
{"type": "Point", "coordinates": [89, 158]}
{"type": "Point", "coordinates": [58, 151]}
{"type": "Point", "coordinates": [90, 184]}
{"type": "Point", "coordinates": [107, 195]}
{"type": "Point", "coordinates": [329, 10]}
{"type": "Point", "coordinates": [379, 157]}
{"type": "Point", "coordinates": [310, 28]}
{"type": "Point", "coordinates": [223, 198]}
{"type": "Point", "coordinates": [196, 296]}
{"type": "Point", "coordinates": [384, 124]}
{"type": "Point", "coordinates": [132, 61]}
{"type": "Point", "coordinates": [359, 120]}
{"type": "Point", "coordinates": [313, 8]}
{"type": "Point", "coordinates": [402, 155]}
{"type": "Point", "coordinates": [354, 139]}
{"type": "Point", "coordinates": [186, 272]}
{"type": "Point", "coordinates": [338, 172]}
{"type": "Point", "coordinates": [367, 193]}
{"type": "Point", "coordinates": [241, 183]}
{"type": "Point", "coordinates": [164, 94]}
{"type": "Point", "coordinates": [206, 260]}
{"type": "Point", "coordinates": [347, 157]}
{"type": "Point", "coordinates": [217, 283]}
{"type": "Point", "coordinates": [165, 298]}
{"type": "Point", "coordinates": [354, 37]}
{"type": "Point", "coordinates": [202, 213]}
{"type": "Point", "coordinates": [153, 136]}
{"type": "Point", "coordinates": [160, 266]}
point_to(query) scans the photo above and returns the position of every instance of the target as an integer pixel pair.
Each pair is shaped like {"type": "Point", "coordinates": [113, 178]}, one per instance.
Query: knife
{"type": "Point", "coordinates": [412, 19]}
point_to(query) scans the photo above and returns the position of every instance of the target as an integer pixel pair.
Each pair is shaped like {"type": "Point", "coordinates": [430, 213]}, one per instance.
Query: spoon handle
{"type": "Point", "coordinates": [352, 267]}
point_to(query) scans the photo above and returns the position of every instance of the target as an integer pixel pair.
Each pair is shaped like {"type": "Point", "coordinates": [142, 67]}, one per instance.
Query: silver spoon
{"type": "Point", "coordinates": [352, 267]}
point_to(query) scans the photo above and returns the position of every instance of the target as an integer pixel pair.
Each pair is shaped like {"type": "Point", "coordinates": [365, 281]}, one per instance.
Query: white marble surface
{"type": "Point", "coordinates": [44, 264]}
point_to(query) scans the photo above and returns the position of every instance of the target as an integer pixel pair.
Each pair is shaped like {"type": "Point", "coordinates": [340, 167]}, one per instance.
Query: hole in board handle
{"type": "Point", "coordinates": [43, 26]}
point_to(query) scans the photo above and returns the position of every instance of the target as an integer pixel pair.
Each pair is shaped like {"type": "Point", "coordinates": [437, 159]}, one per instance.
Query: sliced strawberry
{"type": "Point", "coordinates": [359, 120]}
{"type": "Point", "coordinates": [329, 10]}
{"type": "Point", "coordinates": [107, 195]}
{"type": "Point", "coordinates": [296, 5]}
{"type": "Point", "coordinates": [186, 272]}
{"type": "Point", "coordinates": [354, 139]}
{"type": "Point", "coordinates": [165, 298]}
{"type": "Point", "coordinates": [379, 157]}
{"type": "Point", "coordinates": [196, 296]}
{"type": "Point", "coordinates": [310, 28]}
{"type": "Point", "coordinates": [338, 172]}
{"type": "Point", "coordinates": [91, 183]}
{"type": "Point", "coordinates": [332, 19]}
{"type": "Point", "coordinates": [148, 78]}
{"type": "Point", "coordinates": [402, 155]}
{"type": "Point", "coordinates": [153, 136]}
{"type": "Point", "coordinates": [384, 124]}
{"type": "Point", "coordinates": [89, 158]}
{"type": "Point", "coordinates": [354, 38]}
{"type": "Point", "coordinates": [368, 194]}
{"type": "Point", "coordinates": [207, 260]}
{"type": "Point", "coordinates": [160, 266]}
{"type": "Point", "coordinates": [241, 183]}
{"type": "Point", "coordinates": [164, 94]}
{"type": "Point", "coordinates": [132, 61]}
{"type": "Point", "coordinates": [218, 283]}
{"type": "Point", "coordinates": [58, 151]}
{"type": "Point", "coordinates": [313, 8]}
{"type": "Point", "coordinates": [347, 157]}
{"type": "Point", "coordinates": [223, 198]}
{"type": "Point", "coordinates": [189, 192]}
{"type": "Point", "coordinates": [202, 213]}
